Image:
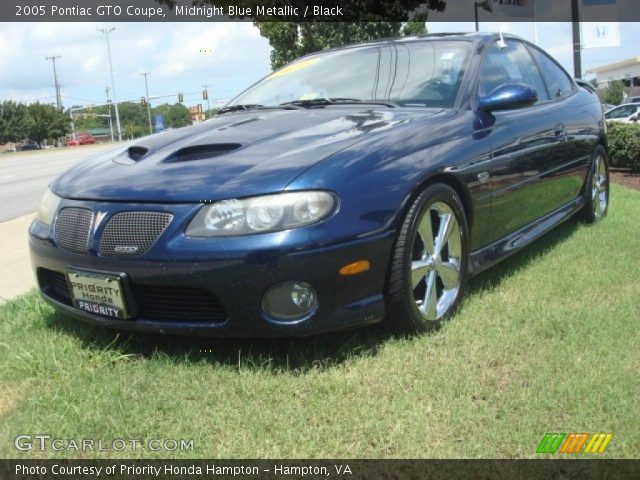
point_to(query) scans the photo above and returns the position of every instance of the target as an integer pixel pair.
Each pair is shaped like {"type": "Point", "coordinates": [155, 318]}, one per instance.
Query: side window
{"type": "Point", "coordinates": [557, 80]}
{"type": "Point", "coordinates": [511, 64]}
{"type": "Point", "coordinates": [621, 112]}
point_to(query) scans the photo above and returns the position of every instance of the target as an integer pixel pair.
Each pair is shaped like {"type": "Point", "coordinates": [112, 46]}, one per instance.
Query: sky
{"type": "Point", "coordinates": [181, 57]}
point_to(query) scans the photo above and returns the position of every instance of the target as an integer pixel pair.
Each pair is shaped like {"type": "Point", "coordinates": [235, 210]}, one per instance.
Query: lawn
{"type": "Point", "coordinates": [547, 341]}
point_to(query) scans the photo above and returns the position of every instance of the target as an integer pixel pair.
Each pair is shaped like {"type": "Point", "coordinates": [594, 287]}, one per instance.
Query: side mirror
{"type": "Point", "coordinates": [633, 118]}
{"type": "Point", "coordinates": [509, 97]}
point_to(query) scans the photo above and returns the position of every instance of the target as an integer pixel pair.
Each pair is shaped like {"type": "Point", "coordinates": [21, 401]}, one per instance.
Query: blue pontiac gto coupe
{"type": "Point", "coordinates": [352, 185]}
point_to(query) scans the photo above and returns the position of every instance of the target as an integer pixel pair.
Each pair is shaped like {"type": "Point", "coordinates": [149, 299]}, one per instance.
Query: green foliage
{"type": "Point", "coordinates": [414, 28]}
{"type": "Point", "coordinates": [615, 93]}
{"type": "Point", "coordinates": [175, 116]}
{"type": "Point", "coordinates": [624, 144]}
{"type": "Point", "coordinates": [15, 121]}
{"type": "Point", "coordinates": [47, 122]}
{"type": "Point", "coordinates": [290, 40]}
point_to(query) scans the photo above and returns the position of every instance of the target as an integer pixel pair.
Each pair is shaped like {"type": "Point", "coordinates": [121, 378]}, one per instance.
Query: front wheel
{"type": "Point", "coordinates": [597, 187]}
{"type": "Point", "coordinates": [429, 266]}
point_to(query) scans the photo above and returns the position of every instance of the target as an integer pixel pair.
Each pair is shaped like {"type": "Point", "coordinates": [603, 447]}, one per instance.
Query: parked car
{"type": "Point", "coordinates": [81, 139]}
{"type": "Point", "coordinates": [626, 113]}
{"type": "Point", "coordinates": [28, 145]}
{"type": "Point", "coordinates": [355, 184]}
{"type": "Point", "coordinates": [607, 106]}
{"type": "Point", "coordinates": [634, 100]}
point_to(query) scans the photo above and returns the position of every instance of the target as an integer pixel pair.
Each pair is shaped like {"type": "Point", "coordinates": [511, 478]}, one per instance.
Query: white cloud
{"type": "Point", "coordinates": [174, 53]}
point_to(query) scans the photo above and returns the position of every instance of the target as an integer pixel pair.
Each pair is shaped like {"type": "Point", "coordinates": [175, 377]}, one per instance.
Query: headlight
{"type": "Point", "coordinates": [48, 207]}
{"type": "Point", "coordinates": [268, 213]}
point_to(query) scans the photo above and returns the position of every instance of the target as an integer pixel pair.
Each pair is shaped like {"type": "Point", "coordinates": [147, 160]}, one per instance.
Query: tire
{"type": "Point", "coordinates": [426, 285]}
{"type": "Point", "coordinates": [596, 191]}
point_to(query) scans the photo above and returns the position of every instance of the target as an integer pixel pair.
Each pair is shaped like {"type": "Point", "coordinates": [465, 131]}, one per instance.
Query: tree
{"type": "Point", "coordinates": [15, 121]}
{"type": "Point", "coordinates": [615, 93]}
{"type": "Point", "coordinates": [47, 122]}
{"type": "Point", "coordinates": [290, 40]}
{"type": "Point", "coordinates": [175, 116]}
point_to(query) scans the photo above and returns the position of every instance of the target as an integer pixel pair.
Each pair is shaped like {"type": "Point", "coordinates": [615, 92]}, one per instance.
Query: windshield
{"type": "Point", "coordinates": [418, 73]}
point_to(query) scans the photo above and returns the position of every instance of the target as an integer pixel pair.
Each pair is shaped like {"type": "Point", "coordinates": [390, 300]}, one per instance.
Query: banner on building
{"type": "Point", "coordinates": [599, 35]}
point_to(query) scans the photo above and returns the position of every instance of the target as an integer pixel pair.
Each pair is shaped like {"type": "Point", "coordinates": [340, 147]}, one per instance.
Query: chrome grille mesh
{"type": "Point", "coordinates": [73, 227]}
{"type": "Point", "coordinates": [133, 233]}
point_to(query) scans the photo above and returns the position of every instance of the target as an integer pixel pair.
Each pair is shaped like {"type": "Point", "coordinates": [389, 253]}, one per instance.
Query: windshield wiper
{"type": "Point", "coordinates": [323, 102]}
{"type": "Point", "coordinates": [249, 106]}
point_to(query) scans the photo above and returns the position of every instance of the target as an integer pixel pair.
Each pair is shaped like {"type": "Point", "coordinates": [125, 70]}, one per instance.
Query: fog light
{"type": "Point", "coordinates": [290, 301]}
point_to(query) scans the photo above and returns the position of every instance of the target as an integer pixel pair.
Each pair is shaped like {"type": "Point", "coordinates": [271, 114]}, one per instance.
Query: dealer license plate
{"type": "Point", "coordinates": [98, 293]}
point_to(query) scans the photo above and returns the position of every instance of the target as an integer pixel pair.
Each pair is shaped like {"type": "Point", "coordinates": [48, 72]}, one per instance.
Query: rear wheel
{"type": "Point", "coordinates": [429, 267]}
{"type": "Point", "coordinates": [597, 188]}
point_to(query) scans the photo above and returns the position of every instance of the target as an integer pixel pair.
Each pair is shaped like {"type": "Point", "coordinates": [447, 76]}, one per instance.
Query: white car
{"type": "Point", "coordinates": [626, 113]}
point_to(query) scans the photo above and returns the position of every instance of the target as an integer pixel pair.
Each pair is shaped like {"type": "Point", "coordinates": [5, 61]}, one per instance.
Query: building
{"type": "Point", "coordinates": [628, 71]}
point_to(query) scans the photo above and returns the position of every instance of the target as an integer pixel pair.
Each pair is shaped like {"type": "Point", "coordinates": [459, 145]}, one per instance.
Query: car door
{"type": "Point", "coordinates": [524, 141]}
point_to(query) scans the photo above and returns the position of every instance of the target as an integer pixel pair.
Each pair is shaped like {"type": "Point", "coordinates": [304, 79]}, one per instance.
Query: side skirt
{"type": "Point", "coordinates": [493, 253]}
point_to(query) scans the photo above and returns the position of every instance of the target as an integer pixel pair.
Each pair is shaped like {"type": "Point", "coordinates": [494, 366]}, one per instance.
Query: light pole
{"type": "Point", "coordinates": [106, 89]}
{"type": "Point", "coordinates": [106, 32]}
{"type": "Point", "coordinates": [206, 93]}
{"type": "Point", "coordinates": [146, 87]}
{"type": "Point", "coordinates": [55, 80]}
{"type": "Point", "coordinates": [486, 5]}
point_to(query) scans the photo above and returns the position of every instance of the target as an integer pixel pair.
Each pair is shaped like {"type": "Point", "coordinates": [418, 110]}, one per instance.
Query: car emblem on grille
{"type": "Point", "coordinates": [125, 249]}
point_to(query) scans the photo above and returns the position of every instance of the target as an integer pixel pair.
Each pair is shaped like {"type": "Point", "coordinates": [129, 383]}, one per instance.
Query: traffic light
{"type": "Point", "coordinates": [143, 101]}
{"type": "Point", "coordinates": [180, 98]}
{"type": "Point", "coordinates": [205, 95]}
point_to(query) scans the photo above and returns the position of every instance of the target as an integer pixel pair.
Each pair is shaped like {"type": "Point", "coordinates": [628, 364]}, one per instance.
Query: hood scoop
{"type": "Point", "coordinates": [136, 153]}
{"type": "Point", "coordinates": [200, 152]}
{"type": "Point", "coordinates": [131, 155]}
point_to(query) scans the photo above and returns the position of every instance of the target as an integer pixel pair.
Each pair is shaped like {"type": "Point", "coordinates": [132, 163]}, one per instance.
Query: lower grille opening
{"type": "Point", "coordinates": [177, 303]}
{"type": "Point", "coordinates": [54, 285]}
{"type": "Point", "coordinates": [154, 303]}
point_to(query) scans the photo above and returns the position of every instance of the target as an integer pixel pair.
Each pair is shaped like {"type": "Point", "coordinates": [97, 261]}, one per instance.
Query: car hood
{"type": "Point", "coordinates": [232, 155]}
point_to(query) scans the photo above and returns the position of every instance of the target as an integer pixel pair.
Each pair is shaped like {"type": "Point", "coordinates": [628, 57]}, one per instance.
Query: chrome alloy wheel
{"type": "Point", "coordinates": [599, 188]}
{"type": "Point", "coordinates": [436, 261]}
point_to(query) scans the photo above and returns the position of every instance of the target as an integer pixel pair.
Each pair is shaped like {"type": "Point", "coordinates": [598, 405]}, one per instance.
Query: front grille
{"type": "Point", "coordinates": [133, 233]}
{"type": "Point", "coordinates": [179, 304]}
{"type": "Point", "coordinates": [155, 303]}
{"type": "Point", "coordinates": [72, 229]}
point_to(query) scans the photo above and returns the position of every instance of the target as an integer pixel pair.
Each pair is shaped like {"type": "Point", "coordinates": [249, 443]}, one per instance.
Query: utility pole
{"type": "Point", "coordinates": [106, 32]}
{"type": "Point", "coordinates": [106, 89]}
{"type": "Point", "coordinates": [577, 54]}
{"type": "Point", "coordinates": [146, 87]}
{"type": "Point", "coordinates": [206, 92]}
{"type": "Point", "coordinates": [55, 79]}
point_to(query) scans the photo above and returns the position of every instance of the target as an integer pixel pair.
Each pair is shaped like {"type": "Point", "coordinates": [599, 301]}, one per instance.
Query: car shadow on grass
{"type": "Point", "coordinates": [294, 355]}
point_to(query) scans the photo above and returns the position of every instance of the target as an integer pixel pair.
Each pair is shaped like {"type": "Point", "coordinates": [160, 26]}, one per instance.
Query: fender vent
{"type": "Point", "coordinates": [136, 153]}
{"type": "Point", "coordinates": [199, 152]}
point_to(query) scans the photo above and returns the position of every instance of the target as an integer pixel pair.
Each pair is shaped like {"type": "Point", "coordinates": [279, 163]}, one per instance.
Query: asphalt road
{"type": "Point", "coordinates": [25, 176]}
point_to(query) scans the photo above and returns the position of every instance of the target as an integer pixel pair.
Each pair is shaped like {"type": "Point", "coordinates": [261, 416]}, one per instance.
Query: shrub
{"type": "Point", "coordinates": [624, 144]}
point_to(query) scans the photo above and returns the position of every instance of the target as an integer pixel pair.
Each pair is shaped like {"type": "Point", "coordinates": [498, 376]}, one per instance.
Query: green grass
{"type": "Point", "coordinates": [546, 341]}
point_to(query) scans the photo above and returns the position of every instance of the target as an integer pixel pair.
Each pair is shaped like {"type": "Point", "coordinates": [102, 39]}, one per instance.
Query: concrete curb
{"type": "Point", "coordinates": [17, 277]}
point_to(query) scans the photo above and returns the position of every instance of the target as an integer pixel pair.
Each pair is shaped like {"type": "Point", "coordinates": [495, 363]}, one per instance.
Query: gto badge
{"type": "Point", "coordinates": [125, 249]}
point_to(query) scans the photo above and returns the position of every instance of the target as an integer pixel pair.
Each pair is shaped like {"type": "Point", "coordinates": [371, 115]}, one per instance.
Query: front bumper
{"type": "Point", "coordinates": [237, 272]}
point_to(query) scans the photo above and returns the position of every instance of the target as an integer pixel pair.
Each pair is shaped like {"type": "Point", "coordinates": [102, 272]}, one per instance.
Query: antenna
{"type": "Point", "coordinates": [501, 42]}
